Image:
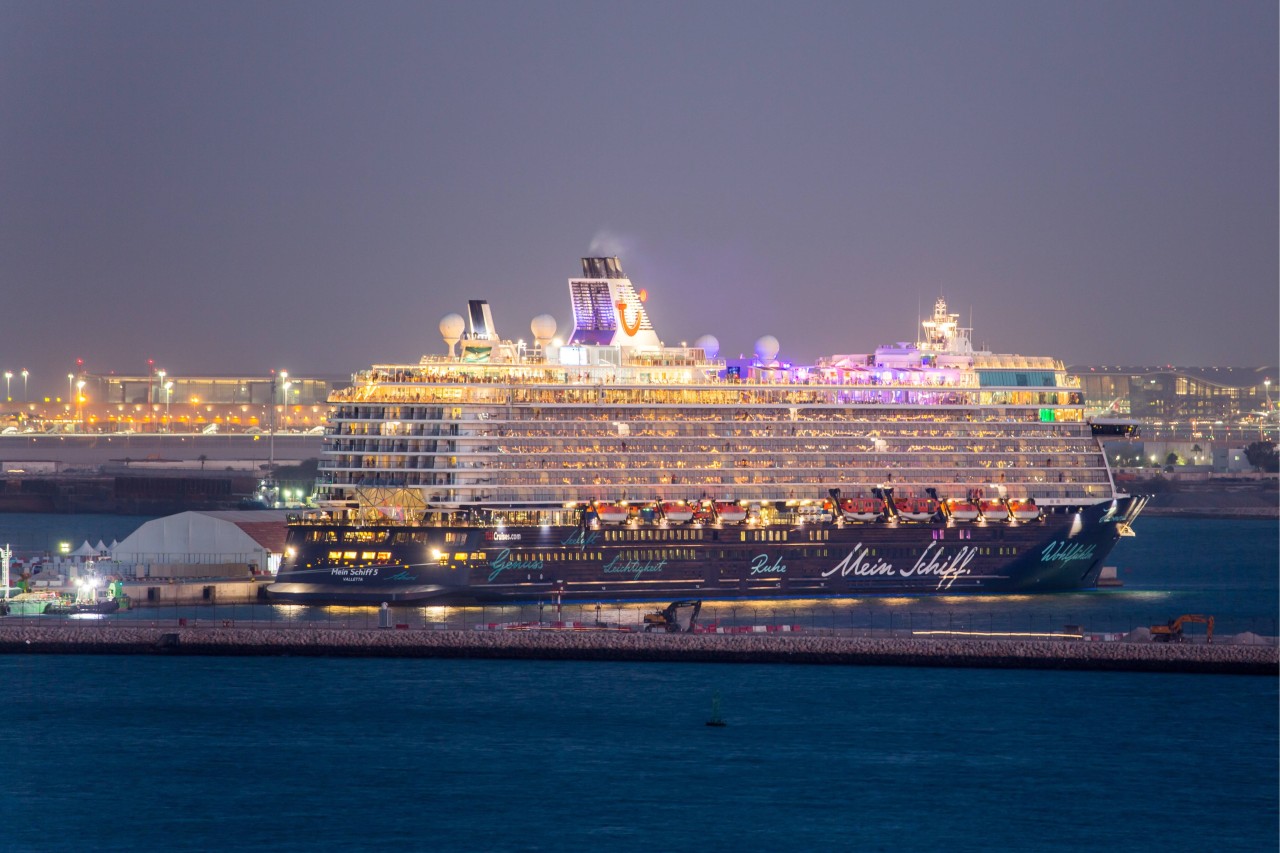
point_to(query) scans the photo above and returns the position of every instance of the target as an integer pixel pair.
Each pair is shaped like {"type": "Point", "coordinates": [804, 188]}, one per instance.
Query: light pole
{"type": "Point", "coordinates": [8, 374]}
{"type": "Point", "coordinates": [271, 439]}
{"type": "Point", "coordinates": [24, 384]}
{"type": "Point", "coordinates": [168, 395]}
{"type": "Point", "coordinates": [1266, 417]}
{"type": "Point", "coordinates": [159, 387]}
{"type": "Point", "coordinates": [71, 378]}
{"type": "Point", "coordinates": [80, 402]}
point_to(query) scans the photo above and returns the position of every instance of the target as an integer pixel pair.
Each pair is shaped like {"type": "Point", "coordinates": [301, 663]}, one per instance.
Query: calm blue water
{"type": "Point", "coordinates": [175, 754]}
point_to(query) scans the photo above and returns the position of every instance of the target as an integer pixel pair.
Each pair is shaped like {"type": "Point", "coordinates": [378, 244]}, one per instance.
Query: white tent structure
{"type": "Point", "coordinates": [204, 544]}
{"type": "Point", "coordinates": [85, 550]}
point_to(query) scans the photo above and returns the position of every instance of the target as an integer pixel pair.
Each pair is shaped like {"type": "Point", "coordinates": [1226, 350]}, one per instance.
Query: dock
{"type": "Point", "coordinates": [235, 640]}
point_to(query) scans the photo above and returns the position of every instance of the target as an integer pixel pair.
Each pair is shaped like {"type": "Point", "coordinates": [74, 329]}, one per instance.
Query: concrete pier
{"type": "Point", "coordinates": [601, 646]}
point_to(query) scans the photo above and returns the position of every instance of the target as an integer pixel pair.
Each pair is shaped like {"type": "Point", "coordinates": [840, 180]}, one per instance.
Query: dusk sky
{"type": "Point", "coordinates": [230, 187]}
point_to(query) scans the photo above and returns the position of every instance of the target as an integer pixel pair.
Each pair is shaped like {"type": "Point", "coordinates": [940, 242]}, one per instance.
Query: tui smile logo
{"type": "Point", "coordinates": [629, 328]}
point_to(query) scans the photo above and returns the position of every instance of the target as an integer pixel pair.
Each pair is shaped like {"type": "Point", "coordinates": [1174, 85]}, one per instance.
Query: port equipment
{"type": "Point", "coordinates": [671, 619]}
{"type": "Point", "coordinates": [1172, 631]}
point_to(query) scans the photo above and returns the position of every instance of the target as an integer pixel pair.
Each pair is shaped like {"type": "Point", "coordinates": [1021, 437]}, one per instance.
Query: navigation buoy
{"type": "Point", "coordinates": [716, 720]}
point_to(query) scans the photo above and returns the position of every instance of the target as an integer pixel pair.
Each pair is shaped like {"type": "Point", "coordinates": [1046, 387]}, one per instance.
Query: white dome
{"type": "Point", "coordinates": [543, 327]}
{"type": "Point", "coordinates": [767, 348]}
{"type": "Point", "coordinates": [709, 345]}
{"type": "Point", "coordinates": [452, 326]}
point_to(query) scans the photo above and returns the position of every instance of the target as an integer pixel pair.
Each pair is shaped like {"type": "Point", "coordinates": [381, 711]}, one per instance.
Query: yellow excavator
{"type": "Point", "coordinates": [679, 617]}
{"type": "Point", "coordinates": [1172, 632]}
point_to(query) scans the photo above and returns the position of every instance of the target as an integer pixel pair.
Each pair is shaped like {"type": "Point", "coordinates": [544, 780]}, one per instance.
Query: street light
{"type": "Point", "coordinates": [168, 395]}
{"type": "Point", "coordinates": [71, 377]}
{"type": "Point", "coordinates": [80, 402]}
{"type": "Point", "coordinates": [8, 374]}
{"type": "Point", "coordinates": [24, 384]}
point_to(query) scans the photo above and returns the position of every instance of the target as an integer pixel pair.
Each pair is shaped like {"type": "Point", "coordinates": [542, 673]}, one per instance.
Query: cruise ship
{"type": "Point", "coordinates": [608, 465]}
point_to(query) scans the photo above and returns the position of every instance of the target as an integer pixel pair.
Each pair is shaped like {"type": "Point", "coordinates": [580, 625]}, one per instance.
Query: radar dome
{"type": "Point", "coordinates": [451, 328]}
{"type": "Point", "coordinates": [709, 345]}
{"type": "Point", "coordinates": [767, 348]}
{"type": "Point", "coordinates": [543, 327]}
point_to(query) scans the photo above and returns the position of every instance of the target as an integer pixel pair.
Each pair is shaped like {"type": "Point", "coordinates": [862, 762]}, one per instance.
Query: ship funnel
{"type": "Point", "coordinates": [602, 268]}
{"type": "Point", "coordinates": [481, 320]}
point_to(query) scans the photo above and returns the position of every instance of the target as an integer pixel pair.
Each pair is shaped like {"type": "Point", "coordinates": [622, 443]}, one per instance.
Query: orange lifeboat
{"type": "Point", "coordinates": [861, 509]}
{"type": "Point", "coordinates": [730, 513]}
{"type": "Point", "coordinates": [612, 513]}
{"type": "Point", "coordinates": [993, 510]}
{"type": "Point", "coordinates": [916, 509]}
{"type": "Point", "coordinates": [677, 512]}
{"type": "Point", "coordinates": [1024, 510]}
{"type": "Point", "coordinates": [963, 510]}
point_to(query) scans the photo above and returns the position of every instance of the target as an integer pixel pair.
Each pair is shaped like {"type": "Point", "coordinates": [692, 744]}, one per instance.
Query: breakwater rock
{"type": "Point", "coordinates": [568, 645]}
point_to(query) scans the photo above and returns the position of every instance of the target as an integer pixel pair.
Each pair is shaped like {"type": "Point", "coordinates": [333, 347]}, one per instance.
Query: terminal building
{"type": "Point", "coordinates": [1231, 395]}
{"type": "Point", "coordinates": [159, 403]}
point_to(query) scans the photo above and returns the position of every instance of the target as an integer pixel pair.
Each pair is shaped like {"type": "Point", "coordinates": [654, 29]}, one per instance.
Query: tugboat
{"type": "Point", "coordinates": [88, 601]}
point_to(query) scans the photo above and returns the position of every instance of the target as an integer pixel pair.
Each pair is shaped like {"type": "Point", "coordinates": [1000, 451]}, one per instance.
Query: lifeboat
{"type": "Point", "coordinates": [1024, 510]}
{"type": "Point", "coordinates": [916, 509]}
{"type": "Point", "coordinates": [861, 509]}
{"type": "Point", "coordinates": [963, 510]}
{"type": "Point", "coordinates": [730, 513]}
{"type": "Point", "coordinates": [993, 510]}
{"type": "Point", "coordinates": [612, 513]}
{"type": "Point", "coordinates": [677, 512]}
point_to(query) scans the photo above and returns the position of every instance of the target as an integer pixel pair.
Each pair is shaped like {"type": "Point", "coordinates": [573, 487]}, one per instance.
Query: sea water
{"type": "Point", "coordinates": [303, 754]}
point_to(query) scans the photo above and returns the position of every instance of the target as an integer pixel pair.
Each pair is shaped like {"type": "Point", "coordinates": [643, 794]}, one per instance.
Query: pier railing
{"type": "Point", "coordinates": [849, 618]}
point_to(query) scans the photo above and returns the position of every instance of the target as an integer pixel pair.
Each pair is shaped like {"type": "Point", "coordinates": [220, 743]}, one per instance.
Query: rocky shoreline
{"type": "Point", "coordinates": [1239, 659]}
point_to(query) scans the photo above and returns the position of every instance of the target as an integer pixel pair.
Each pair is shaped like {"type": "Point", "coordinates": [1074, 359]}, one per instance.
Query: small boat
{"type": "Point", "coordinates": [993, 510]}
{"type": "Point", "coordinates": [65, 607]}
{"type": "Point", "coordinates": [677, 512]}
{"type": "Point", "coordinates": [963, 510]}
{"type": "Point", "coordinates": [29, 603]}
{"type": "Point", "coordinates": [861, 509]}
{"type": "Point", "coordinates": [916, 509]}
{"type": "Point", "coordinates": [612, 513]}
{"type": "Point", "coordinates": [730, 513]}
{"type": "Point", "coordinates": [1024, 510]}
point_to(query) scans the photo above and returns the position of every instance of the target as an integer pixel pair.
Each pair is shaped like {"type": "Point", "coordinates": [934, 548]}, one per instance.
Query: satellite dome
{"type": "Point", "coordinates": [543, 327]}
{"type": "Point", "coordinates": [709, 345]}
{"type": "Point", "coordinates": [767, 348]}
{"type": "Point", "coordinates": [451, 328]}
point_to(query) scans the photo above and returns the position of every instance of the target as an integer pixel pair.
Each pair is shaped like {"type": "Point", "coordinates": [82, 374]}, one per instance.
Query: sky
{"type": "Point", "coordinates": [227, 188]}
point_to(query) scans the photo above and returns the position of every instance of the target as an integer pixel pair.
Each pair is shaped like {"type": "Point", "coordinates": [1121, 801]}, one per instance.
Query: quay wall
{"type": "Point", "coordinates": [607, 646]}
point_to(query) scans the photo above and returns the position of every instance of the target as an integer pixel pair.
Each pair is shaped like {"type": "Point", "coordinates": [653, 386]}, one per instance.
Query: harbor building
{"type": "Point", "coordinates": [163, 403]}
{"type": "Point", "coordinates": [1232, 395]}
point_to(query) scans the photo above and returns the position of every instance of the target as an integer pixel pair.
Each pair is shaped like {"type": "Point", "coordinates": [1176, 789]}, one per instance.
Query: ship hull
{"type": "Point", "coordinates": [332, 563]}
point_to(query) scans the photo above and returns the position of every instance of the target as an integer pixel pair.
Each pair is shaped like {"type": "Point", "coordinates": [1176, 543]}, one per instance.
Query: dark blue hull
{"type": "Point", "coordinates": [1062, 551]}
